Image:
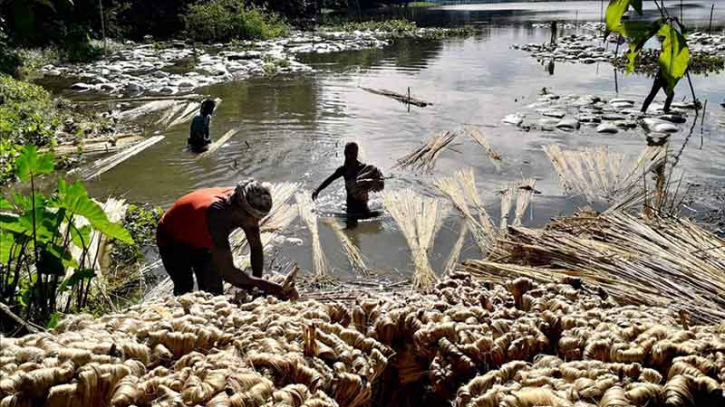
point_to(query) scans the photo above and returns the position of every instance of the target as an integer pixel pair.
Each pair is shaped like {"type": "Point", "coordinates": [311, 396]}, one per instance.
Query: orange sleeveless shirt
{"type": "Point", "coordinates": [186, 221]}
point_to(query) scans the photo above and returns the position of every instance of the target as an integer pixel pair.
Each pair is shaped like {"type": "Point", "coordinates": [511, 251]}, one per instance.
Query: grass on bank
{"type": "Point", "coordinates": [395, 27]}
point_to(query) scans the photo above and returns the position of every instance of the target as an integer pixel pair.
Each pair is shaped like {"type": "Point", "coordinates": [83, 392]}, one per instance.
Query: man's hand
{"type": "Point", "coordinates": [314, 195]}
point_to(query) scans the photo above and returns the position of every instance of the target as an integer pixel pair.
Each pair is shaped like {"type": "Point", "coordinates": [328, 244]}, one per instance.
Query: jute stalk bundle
{"type": "Point", "coordinates": [641, 261]}
{"type": "Point", "coordinates": [147, 108]}
{"type": "Point", "coordinates": [507, 198]}
{"type": "Point", "coordinates": [478, 136]}
{"type": "Point", "coordinates": [418, 219]}
{"type": "Point", "coordinates": [424, 158]}
{"type": "Point", "coordinates": [457, 188]}
{"type": "Point", "coordinates": [169, 115]}
{"type": "Point", "coordinates": [525, 193]}
{"type": "Point", "coordinates": [189, 112]}
{"type": "Point", "coordinates": [97, 168]}
{"type": "Point", "coordinates": [217, 144]}
{"type": "Point", "coordinates": [319, 261]}
{"type": "Point", "coordinates": [455, 254]}
{"type": "Point", "coordinates": [600, 174]}
{"type": "Point", "coordinates": [353, 253]}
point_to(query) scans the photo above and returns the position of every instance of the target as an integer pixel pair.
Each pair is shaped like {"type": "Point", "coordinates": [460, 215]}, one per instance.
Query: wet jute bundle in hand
{"type": "Point", "coordinates": [467, 343]}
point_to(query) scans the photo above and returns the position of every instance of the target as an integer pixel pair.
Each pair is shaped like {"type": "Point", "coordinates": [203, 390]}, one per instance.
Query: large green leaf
{"type": "Point", "coordinates": [639, 33]}
{"type": "Point", "coordinates": [615, 11]}
{"type": "Point", "coordinates": [29, 162]}
{"type": "Point", "coordinates": [5, 205]}
{"type": "Point", "coordinates": [81, 236]}
{"type": "Point", "coordinates": [674, 57]}
{"type": "Point", "coordinates": [7, 243]}
{"type": "Point", "coordinates": [74, 198]}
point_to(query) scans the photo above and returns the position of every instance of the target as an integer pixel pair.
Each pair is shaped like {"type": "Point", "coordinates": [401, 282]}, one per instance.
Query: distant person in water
{"type": "Point", "coordinates": [193, 238]}
{"type": "Point", "coordinates": [360, 179]}
{"type": "Point", "coordinates": [199, 137]}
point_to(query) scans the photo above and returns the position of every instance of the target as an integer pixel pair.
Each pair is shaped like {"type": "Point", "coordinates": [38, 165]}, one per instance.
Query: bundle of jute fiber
{"type": "Point", "coordinates": [192, 350]}
{"type": "Point", "coordinates": [476, 343]}
{"type": "Point", "coordinates": [419, 219]}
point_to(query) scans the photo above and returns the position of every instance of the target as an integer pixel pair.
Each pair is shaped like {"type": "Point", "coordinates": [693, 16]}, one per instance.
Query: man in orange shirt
{"type": "Point", "coordinates": [194, 235]}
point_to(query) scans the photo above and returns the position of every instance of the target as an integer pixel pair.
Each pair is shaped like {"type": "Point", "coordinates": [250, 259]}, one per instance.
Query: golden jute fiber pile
{"type": "Point", "coordinates": [468, 343]}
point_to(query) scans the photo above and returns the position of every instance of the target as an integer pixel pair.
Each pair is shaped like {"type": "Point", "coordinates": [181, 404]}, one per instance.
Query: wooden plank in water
{"type": "Point", "coordinates": [215, 145]}
{"type": "Point", "coordinates": [397, 96]}
{"type": "Point", "coordinates": [105, 164]}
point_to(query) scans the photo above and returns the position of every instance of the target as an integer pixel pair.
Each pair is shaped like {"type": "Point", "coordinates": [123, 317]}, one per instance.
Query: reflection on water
{"type": "Point", "coordinates": [292, 128]}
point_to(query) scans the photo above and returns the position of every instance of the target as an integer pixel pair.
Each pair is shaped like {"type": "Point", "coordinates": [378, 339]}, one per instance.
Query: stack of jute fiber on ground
{"type": "Point", "coordinates": [638, 260]}
{"type": "Point", "coordinates": [469, 342]}
{"type": "Point", "coordinates": [195, 350]}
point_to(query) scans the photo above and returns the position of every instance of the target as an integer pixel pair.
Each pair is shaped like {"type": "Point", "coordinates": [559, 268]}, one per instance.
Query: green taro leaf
{"type": "Point", "coordinates": [5, 205]}
{"type": "Point", "coordinates": [615, 11]}
{"type": "Point", "coordinates": [30, 163]}
{"type": "Point", "coordinates": [7, 241]}
{"type": "Point", "coordinates": [81, 236]}
{"type": "Point", "coordinates": [639, 33]}
{"type": "Point", "coordinates": [74, 198]}
{"type": "Point", "coordinates": [674, 57]}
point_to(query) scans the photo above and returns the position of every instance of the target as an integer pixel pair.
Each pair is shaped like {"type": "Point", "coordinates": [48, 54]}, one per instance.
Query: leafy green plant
{"type": "Point", "coordinates": [225, 20]}
{"type": "Point", "coordinates": [38, 236]}
{"type": "Point", "coordinates": [674, 56]}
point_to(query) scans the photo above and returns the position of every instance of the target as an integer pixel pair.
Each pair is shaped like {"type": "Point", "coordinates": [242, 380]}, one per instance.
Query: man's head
{"type": "Point", "coordinates": [351, 150]}
{"type": "Point", "coordinates": [254, 197]}
{"type": "Point", "coordinates": [207, 107]}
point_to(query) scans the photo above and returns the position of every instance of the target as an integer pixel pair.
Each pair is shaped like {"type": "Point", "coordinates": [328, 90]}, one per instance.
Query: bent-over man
{"type": "Point", "coordinates": [194, 236]}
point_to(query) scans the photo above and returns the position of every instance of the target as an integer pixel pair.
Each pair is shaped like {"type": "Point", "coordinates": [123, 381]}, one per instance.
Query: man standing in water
{"type": "Point", "coordinates": [194, 235]}
{"type": "Point", "coordinates": [359, 180]}
{"type": "Point", "coordinates": [199, 137]}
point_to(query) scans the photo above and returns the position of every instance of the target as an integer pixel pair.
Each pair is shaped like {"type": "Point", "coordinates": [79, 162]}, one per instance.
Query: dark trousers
{"type": "Point", "coordinates": [182, 262]}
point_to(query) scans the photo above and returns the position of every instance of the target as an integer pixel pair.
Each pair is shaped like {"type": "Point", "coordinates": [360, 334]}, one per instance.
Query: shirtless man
{"type": "Point", "coordinates": [194, 235]}
{"type": "Point", "coordinates": [357, 197]}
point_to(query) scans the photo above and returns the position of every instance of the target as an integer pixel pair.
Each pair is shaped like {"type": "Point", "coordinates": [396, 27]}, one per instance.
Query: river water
{"type": "Point", "coordinates": [293, 128]}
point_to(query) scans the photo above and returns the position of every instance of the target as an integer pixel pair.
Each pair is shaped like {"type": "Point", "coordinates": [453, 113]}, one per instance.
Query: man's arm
{"type": "Point", "coordinates": [337, 174]}
{"type": "Point", "coordinates": [224, 262]}
{"type": "Point", "coordinates": [256, 249]}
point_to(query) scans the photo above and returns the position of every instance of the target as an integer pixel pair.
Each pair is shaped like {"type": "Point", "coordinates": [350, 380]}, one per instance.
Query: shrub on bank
{"type": "Point", "coordinates": [28, 115]}
{"type": "Point", "coordinates": [225, 20]}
